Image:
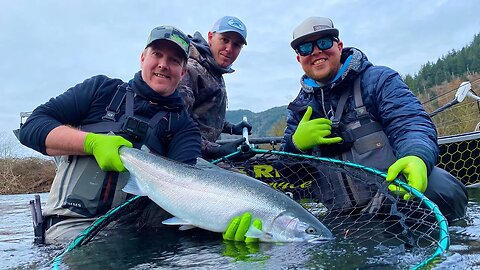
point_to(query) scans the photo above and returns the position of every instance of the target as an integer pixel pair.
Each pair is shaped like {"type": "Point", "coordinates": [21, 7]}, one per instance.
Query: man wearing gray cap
{"type": "Point", "coordinates": [88, 123]}
{"type": "Point", "coordinates": [351, 110]}
{"type": "Point", "coordinates": [203, 87]}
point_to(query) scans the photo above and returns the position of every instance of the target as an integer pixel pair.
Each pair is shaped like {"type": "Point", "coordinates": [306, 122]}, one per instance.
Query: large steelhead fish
{"type": "Point", "coordinates": [209, 197]}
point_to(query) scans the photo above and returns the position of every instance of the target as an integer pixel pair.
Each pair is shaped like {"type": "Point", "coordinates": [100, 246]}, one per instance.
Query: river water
{"type": "Point", "coordinates": [197, 249]}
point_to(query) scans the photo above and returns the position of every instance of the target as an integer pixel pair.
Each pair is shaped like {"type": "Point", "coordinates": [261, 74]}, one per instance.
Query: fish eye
{"type": "Point", "coordinates": [311, 230]}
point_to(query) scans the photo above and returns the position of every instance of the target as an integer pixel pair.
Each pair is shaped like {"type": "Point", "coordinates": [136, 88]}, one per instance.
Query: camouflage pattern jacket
{"type": "Point", "coordinates": [204, 92]}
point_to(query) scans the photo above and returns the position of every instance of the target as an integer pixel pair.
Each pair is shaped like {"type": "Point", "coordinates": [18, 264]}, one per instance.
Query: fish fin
{"type": "Point", "coordinates": [254, 232]}
{"type": "Point", "coordinates": [176, 221]}
{"type": "Point", "coordinates": [203, 164]}
{"type": "Point", "coordinates": [186, 227]}
{"type": "Point", "coordinates": [145, 149]}
{"type": "Point", "coordinates": [132, 187]}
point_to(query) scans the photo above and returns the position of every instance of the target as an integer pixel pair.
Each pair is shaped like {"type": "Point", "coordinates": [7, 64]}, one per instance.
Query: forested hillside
{"type": "Point", "coordinates": [436, 85]}
{"type": "Point", "coordinates": [455, 64]}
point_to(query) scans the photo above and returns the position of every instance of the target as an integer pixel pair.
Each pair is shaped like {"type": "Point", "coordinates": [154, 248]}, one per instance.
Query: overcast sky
{"type": "Point", "coordinates": [48, 46]}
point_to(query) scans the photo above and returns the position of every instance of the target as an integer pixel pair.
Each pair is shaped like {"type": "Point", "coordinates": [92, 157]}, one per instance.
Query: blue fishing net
{"type": "Point", "coordinates": [354, 202]}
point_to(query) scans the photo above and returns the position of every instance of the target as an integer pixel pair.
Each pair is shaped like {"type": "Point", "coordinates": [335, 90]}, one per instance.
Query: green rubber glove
{"type": "Point", "coordinates": [239, 226]}
{"type": "Point", "coordinates": [414, 170]}
{"type": "Point", "coordinates": [105, 149]}
{"type": "Point", "coordinates": [311, 133]}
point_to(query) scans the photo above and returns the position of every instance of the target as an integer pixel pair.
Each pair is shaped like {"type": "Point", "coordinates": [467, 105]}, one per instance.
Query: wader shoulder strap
{"type": "Point", "coordinates": [357, 93]}
{"type": "Point", "coordinates": [156, 118]}
{"type": "Point", "coordinates": [367, 125]}
{"type": "Point", "coordinates": [124, 92]}
{"type": "Point", "coordinates": [129, 103]}
{"type": "Point", "coordinates": [114, 107]}
{"type": "Point", "coordinates": [340, 108]}
{"type": "Point", "coordinates": [153, 123]}
{"type": "Point", "coordinates": [360, 109]}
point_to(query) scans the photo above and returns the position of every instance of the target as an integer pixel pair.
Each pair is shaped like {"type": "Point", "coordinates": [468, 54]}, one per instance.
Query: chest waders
{"type": "Point", "coordinates": [365, 143]}
{"type": "Point", "coordinates": [80, 188]}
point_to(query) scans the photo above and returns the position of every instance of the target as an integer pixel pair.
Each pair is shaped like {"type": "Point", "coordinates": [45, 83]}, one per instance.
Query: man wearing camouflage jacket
{"type": "Point", "coordinates": [203, 87]}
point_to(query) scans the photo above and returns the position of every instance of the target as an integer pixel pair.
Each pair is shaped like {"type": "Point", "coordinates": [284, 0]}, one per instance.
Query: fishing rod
{"type": "Point", "coordinates": [463, 91]}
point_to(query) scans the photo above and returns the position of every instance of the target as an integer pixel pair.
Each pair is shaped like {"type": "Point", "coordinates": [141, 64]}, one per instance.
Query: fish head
{"type": "Point", "coordinates": [289, 228]}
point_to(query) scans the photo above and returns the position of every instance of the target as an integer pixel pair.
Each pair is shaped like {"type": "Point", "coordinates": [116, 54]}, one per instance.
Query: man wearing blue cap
{"type": "Point", "coordinates": [203, 87]}
{"type": "Point", "coordinates": [88, 123]}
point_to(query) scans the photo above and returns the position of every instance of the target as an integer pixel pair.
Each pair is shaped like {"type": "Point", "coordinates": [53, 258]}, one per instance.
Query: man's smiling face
{"type": "Point", "coordinates": [225, 47]}
{"type": "Point", "coordinates": [322, 65]}
{"type": "Point", "coordinates": [163, 66]}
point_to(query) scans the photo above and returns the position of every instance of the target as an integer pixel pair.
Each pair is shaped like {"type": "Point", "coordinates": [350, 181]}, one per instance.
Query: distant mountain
{"type": "Point", "coordinates": [261, 122]}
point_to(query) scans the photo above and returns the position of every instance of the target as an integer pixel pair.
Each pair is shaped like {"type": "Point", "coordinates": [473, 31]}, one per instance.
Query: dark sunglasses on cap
{"type": "Point", "coordinates": [323, 43]}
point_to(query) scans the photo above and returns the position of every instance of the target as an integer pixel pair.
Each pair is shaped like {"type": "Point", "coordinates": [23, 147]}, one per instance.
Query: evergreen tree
{"type": "Point", "coordinates": [455, 64]}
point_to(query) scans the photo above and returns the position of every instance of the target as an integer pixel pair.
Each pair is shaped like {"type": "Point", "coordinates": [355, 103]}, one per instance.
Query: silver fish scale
{"type": "Point", "coordinates": [207, 197]}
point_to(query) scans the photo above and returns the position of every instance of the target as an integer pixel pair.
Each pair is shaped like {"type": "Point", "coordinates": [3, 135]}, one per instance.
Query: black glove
{"type": "Point", "coordinates": [237, 129]}
{"type": "Point", "coordinates": [229, 148]}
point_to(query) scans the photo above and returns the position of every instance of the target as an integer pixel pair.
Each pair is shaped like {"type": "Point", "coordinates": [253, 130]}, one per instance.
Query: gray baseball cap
{"type": "Point", "coordinates": [170, 33]}
{"type": "Point", "coordinates": [311, 27]}
{"type": "Point", "coordinates": [230, 24]}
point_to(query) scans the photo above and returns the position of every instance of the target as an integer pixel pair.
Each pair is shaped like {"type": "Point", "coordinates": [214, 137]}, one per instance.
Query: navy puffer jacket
{"type": "Point", "coordinates": [386, 98]}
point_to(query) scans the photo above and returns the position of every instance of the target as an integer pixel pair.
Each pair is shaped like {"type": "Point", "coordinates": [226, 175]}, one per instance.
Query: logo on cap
{"type": "Point", "coordinates": [236, 24]}
{"type": "Point", "coordinates": [319, 27]}
{"type": "Point", "coordinates": [180, 41]}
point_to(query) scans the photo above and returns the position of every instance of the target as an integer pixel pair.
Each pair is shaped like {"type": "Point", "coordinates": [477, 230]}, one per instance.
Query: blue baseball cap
{"type": "Point", "coordinates": [230, 24]}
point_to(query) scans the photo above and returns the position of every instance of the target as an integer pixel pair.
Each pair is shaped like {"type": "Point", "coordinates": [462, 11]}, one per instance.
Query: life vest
{"type": "Point", "coordinates": [80, 187]}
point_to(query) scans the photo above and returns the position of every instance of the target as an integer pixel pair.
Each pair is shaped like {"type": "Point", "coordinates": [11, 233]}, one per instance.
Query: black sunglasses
{"type": "Point", "coordinates": [323, 43]}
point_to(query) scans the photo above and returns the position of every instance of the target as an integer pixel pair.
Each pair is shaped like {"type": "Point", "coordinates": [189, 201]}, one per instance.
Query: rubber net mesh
{"type": "Point", "coordinates": [354, 203]}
